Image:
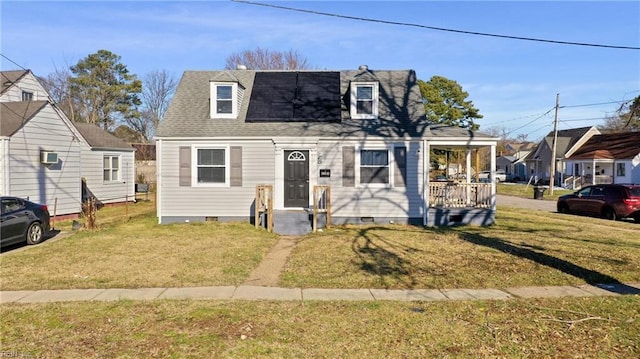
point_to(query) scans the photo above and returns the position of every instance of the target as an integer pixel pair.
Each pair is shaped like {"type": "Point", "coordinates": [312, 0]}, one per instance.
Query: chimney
{"type": "Point", "coordinates": [363, 68]}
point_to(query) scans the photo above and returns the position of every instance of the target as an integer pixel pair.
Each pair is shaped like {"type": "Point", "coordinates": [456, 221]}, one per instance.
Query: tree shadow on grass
{"type": "Point", "coordinates": [591, 277]}
{"type": "Point", "coordinates": [384, 257]}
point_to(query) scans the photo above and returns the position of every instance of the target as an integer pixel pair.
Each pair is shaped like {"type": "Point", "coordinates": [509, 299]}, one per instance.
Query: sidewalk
{"type": "Point", "coordinates": [247, 292]}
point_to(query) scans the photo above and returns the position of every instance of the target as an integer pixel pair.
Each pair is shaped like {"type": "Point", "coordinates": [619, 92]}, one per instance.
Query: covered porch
{"type": "Point", "coordinates": [590, 172]}
{"type": "Point", "coordinates": [460, 199]}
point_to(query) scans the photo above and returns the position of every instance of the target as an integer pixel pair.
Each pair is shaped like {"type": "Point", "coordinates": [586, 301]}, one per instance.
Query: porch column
{"type": "Point", "coordinates": [593, 172]}
{"type": "Point", "coordinates": [493, 181]}
{"type": "Point", "coordinates": [426, 169]}
{"type": "Point", "coordinates": [468, 175]}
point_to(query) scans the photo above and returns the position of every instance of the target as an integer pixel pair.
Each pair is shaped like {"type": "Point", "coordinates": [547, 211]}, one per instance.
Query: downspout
{"type": "Point", "coordinates": [159, 181]}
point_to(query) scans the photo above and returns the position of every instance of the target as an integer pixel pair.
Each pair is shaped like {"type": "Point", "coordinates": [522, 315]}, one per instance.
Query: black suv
{"type": "Point", "coordinates": [611, 201]}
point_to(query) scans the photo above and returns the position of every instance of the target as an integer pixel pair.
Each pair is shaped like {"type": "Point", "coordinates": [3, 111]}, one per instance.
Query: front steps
{"type": "Point", "coordinates": [295, 222]}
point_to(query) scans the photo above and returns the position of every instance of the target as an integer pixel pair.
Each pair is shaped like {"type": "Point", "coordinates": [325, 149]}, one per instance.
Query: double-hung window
{"type": "Point", "coordinates": [620, 169]}
{"type": "Point", "coordinates": [364, 100]}
{"type": "Point", "coordinates": [374, 167]}
{"type": "Point", "coordinates": [211, 166]}
{"type": "Point", "coordinates": [27, 96]}
{"type": "Point", "coordinates": [111, 168]}
{"type": "Point", "coordinates": [224, 100]}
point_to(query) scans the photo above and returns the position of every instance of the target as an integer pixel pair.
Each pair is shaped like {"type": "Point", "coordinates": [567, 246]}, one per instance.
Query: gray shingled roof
{"type": "Point", "coordinates": [99, 138]}
{"type": "Point", "coordinates": [8, 78]}
{"type": "Point", "coordinates": [14, 115]}
{"type": "Point", "coordinates": [401, 112]}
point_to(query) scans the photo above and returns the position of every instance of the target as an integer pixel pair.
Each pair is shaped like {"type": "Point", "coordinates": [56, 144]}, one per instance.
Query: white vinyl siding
{"type": "Point", "coordinates": [27, 83]}
{"type": "Point", "coordinates": [199, 200]}
{"type": "Point", "coordinates": [394, 200]}
{"type": "Point", "coordinates": [58, 185]}
{"type": "Point", "coordinates": [93, 172]}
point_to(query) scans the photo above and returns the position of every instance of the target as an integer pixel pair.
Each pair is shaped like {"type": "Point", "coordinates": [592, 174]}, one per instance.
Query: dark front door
{"type": "Point", "coordinates": [296, 178]}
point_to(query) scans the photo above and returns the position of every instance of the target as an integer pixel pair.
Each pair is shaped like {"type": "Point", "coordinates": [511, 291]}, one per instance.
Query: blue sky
{"type": "Point", "coordinates": [512, 82]}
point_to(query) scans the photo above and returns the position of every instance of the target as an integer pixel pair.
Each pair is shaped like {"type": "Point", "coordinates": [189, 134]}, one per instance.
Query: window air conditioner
{"type": "Point", "coordinates": [49, 158]}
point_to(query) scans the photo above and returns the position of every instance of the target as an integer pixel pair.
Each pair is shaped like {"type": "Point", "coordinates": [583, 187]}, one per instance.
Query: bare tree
{"type": "Point", "coordinates": [626, 119]}
{"type": "Point", "coordinates": [157, 90]}
{"type": "Point", "coordinates": [263, 59]}
{"type": "Point", "coordinates": [58, 85]}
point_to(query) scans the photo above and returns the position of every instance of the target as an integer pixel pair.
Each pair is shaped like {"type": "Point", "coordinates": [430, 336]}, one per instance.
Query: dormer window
{"type": "Point", "coordinates": [27, 96]}
{"type": "Point", "coordinates": [224, 100]}
{"type": "Point", "coordinates": [364, 100]}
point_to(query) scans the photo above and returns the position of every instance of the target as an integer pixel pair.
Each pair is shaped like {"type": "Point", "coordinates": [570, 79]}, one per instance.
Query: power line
{"type": "Point", "coordinates": [435, 28]}
{"type": "Point", "coordinates": [13, 62]}
{"type": "Point", "coordinates": [594, 104]}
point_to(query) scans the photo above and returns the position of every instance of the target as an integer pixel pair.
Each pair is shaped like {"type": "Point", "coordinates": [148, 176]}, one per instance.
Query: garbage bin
{"type": "Point", "coordinates": [538, 192]}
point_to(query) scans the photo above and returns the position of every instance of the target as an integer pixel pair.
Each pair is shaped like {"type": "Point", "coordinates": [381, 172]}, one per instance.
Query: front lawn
{"type": "Point", "coordinates": [523, 248]}
{"type": "Point", "coordinates": [136, 252]}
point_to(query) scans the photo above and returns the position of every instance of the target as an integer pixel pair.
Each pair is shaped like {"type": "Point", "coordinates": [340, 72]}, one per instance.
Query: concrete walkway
{"type": "Point", "coordinates": [268, 272]}
{"type": "Point", "coordinates": [246, 292]}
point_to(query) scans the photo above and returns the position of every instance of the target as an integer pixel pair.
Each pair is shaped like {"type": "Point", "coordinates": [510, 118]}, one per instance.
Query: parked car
{"type": "Point", "coordinates": [500, 176]}
{"type": "Point", "coordinates": [22, 221]}
{"type": "Point", "coordinates": [611, 201]}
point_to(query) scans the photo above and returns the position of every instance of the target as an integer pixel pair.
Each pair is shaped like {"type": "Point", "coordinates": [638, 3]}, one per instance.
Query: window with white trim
{"type": "Point", "coordinates": [374, 167]}
{"type": "Point", "coordinates": [224, 100]}
{"type": "Point", "coordinates": [211, 166]}
{"type": "Point", "coordinates": [111, 168]}
{"type": "Point", "coordinates": [364, 100]}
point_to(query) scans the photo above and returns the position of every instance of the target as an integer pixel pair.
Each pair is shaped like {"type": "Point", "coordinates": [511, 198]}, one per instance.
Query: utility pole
{"type": "Point", "coordinates": [553, 147]}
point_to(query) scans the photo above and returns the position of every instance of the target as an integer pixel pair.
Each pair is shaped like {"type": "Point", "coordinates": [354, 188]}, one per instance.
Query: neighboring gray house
{"type": "Point", "coordinates": [44, 156]}
{"type": "Point", "coordinates": [568, 141]}
{"type": "Point", "coordinates": [108, 166]}
{"type": "Point", "coordinates": [362, 132]}
{"type": "Point", "coordinates": [40, 150]}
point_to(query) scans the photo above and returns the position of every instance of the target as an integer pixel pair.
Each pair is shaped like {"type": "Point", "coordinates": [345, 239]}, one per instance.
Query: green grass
{"type": "Point", "coordinates": [136, 252]}
{"type": "Point", "coordinates": [523, 248]}
{"type": "Point", "coordinates": [596, 327]}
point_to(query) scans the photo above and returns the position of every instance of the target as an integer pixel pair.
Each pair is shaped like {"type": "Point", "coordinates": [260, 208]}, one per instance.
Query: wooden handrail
{"type": "Point", "coordinates": [264, 204]}
{"type": "Point", "coordinates": [321, 204]}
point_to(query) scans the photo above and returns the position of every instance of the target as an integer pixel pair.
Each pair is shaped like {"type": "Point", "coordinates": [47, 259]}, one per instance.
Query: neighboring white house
{"type": "Point", "coordinates": [606, 158]}
{"type": "Point", "coordinates": [44, 156]}
{"type": "Point", "coordinates": [362, 132]}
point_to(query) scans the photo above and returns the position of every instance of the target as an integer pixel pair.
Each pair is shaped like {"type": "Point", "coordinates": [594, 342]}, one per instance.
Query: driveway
{"type": "Point", "coordinates": [528, 203]}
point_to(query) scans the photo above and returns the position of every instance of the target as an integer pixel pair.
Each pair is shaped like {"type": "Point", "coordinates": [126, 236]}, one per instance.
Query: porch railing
{"type": "Point", "coordinates": [264, 205]}
{"type": "Point", "coordinates": [321, 204]}
{"type": "Point", "coordinates": [578, 182]}
{"type": "Point", "coordinates": [457, 194]}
